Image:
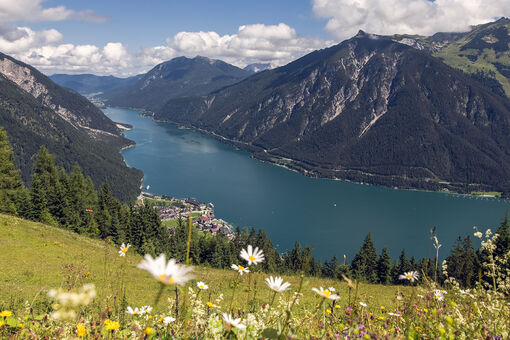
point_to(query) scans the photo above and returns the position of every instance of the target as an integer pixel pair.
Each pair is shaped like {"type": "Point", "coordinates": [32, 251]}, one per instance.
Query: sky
{"type": "Point", "coordinates": [127, 37]}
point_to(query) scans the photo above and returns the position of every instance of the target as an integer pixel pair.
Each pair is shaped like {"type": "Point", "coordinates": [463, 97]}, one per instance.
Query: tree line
{"type": "Point", "coordinates": [70, 201]}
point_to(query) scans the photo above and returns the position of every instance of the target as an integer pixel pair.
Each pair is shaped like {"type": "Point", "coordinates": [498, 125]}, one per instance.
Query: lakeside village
{"type": "Point", "coordinates": [170, 209]}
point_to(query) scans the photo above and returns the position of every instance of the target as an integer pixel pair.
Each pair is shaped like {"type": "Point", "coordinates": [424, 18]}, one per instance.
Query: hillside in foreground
{"type": "Point", "coordinates": [37, 257]}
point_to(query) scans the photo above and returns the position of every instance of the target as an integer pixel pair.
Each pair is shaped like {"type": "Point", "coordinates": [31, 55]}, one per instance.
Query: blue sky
{"type": "Point", "coordinates": [131, 36]}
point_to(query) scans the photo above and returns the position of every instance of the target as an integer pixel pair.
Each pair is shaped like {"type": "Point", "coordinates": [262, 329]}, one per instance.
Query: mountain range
{"type": "Point", "coordinates": [370, 109]}
{"type": "Point", "coordinates": [401, 110]}
{"type": "Point", "coordinates": [35, 111]}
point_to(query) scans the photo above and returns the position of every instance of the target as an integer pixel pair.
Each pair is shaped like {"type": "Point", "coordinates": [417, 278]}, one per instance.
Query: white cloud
{"type": "Point", "coordinates": [274, 44]}
{"type": "Point", "coordinates": [346, 17]}
{"type": "Point", "coordinates": [32, 10]}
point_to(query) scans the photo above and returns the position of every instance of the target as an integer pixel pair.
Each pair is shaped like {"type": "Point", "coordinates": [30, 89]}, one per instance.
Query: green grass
{"type": "Point", "coordinates": [34, 255]}
{"type": "Point", "coordinates": [489, 193]}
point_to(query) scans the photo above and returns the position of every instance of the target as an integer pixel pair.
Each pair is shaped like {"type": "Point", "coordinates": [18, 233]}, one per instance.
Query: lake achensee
{"type": "Point", "coordinates": [332, 216]}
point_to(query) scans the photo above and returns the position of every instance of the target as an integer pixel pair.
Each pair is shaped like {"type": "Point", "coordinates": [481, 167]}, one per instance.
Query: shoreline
{"type": "Point", "coordinates": [316, 171]}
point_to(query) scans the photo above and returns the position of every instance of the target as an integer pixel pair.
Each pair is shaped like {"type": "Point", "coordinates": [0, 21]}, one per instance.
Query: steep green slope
{"type": "Point", "coordinates": [179, 77]}
{"type": "Point", "coordinates": [84, 136]}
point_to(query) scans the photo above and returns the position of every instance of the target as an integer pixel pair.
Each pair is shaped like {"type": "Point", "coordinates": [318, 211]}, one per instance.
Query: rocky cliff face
{"type": "Point", "coordinates": [71, 107]}
{"type": "Point", "coordinates": [367, 108]}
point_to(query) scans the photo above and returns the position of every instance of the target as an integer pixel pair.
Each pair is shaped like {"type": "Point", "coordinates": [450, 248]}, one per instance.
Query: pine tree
{"type": "Point", "coordinates": [384, 267]}
{"type": "Point", "coordinates": [364, 264]}
{"type": "Point", "coordinates": [12, 190]}
{"type": "Point", "coordinates": [44, 180]}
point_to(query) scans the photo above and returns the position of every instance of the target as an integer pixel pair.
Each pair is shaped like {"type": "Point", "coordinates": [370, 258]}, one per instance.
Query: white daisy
{"type": "Point", "coordinates": [362, 304]}
{"type": "Point", "coordinates": [326, 293]}
{"type": "Point", "coordinates": [253, 256]}
{"type": "Point", "coordinates": [123, 249]}
{"type": "Point", "coordinates": [202, 285]}
{"type": "Point", "coordinates": [146, 310]}
{"type": "Point", "coordinates": [439, 295]}
{"type": "Point", "coordinates": [233, 322]}
{"type": "Point", "coordinates": [240, 269]}
{"type": "Point", "coordinates": [466, 292]}
{"type": "Point", "coordinates": [166, 272]}
{"type": "Point", "coordinates": [168, 319]}
{"type": "Point", "coordinates": [393, 314]}
{"type": "Point", "coordinates": [132, 311]}
{"type": "Point", "coordinates": [411, 276]}
{"type": "Point", "coordinates": [277, 284]}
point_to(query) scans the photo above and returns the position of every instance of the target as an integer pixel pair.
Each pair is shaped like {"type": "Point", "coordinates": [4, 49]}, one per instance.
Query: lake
{"type": "Point", "coordinates": [332, 216]}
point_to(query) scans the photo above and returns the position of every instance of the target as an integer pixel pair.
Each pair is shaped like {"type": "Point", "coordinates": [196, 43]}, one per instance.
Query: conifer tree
{"type": "Point", "coordinates": [44, 180]}
{"type": "Point", "coordinates": [12, 190]}
{"type": "Point", "coordinates": [364, 264]}
{"type": "Point", "coordinates": [384, 267]}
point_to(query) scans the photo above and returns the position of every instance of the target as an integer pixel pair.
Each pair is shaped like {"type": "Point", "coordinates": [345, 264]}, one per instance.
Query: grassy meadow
{"type": "Point", "coordinates": [55, 284]}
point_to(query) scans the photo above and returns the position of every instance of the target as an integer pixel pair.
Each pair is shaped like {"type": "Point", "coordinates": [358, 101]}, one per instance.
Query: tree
{"type": "Point", "coordinates": [364, 264]}
{"type": "Point", "coordinates": [12, 190]}
{"type": "Point", "coordinates": [44, 180]}
{"type": "Point", "coordinates": [384, 267]}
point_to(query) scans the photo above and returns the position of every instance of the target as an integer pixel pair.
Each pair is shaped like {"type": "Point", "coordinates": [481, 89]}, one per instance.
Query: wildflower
{"type": "Point", "coordinates": [5, 313]}
{"type": "Point", "coordinates": [81, 331]}
{"type": "Point", "coordinates": [148, 331]}
{"type": "Point", "coordinates": [111, 325]}
{"type": "Point", "coordinates": [209, 304]}
{"type": "Point", "coordinates": [466, 292]}
{"type": "Point", "coordinates": [233, 322]}
{"type": "Point", "coordinates": [202, 285]}
{"type": "Point", "coordinates": [362, 304]}
{"type": "Point", "coordinates": [393, 314]}
{"type": "Point", "coordinates": [2, 323]}
{"type": "Point", "coordinates": [123, 249]}
{"type": "Point", "coordinates": [21, 325]}
{"type": "Point", "coordinates": [326, 293]}
{"type": "Point", "coordinates": [132, 311]}
{"type": "Point", "coordinates": [277, 284]}
{"type": "Point", "coordinates": [328, 311]}
{"type": "Point", "coordinates": [166, 272]}
{"type": "Point", "coordinates": [240, 269]}
{"type": "Point", "coordinates": [253, 256]}
{"type": "Point", "coordinates": [168, 319]}
{"type": "Point", "coordinates": [438, 294]}
{"type": "Point", "coordinates": [145, 310]}
{"type": "Point", "coordinates": [410, 276]}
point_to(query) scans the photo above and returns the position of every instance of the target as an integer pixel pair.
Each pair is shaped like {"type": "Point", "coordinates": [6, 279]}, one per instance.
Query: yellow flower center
{"type": "Point", "coordinates": [124, 250]}
{"type": "Point", "coordinates": [166, 280]}
{"type": "Point", "coordinates": [327, 293]}
{"type": "Point", "coordinates": [409, 276]}
{"type": "Point", "coordinates": [240, 267]}
{"type": "Point", "coordinates": [251, 258]}
{"type": "Point", "coordinates": [202, 287]}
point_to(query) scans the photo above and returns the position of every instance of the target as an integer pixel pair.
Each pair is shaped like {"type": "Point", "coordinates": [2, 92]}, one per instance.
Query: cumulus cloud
{"type": "Point", "coordinates": [346, 17]}
{"type": "Point", "coordinates": [274, 44]}
{"type": "Point", "coordinates": [32, 10]}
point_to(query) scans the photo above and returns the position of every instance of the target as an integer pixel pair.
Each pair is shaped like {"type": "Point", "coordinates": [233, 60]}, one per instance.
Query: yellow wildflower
{"type": "Point", "coordinates": [5, 313]}
{"type": "Point", "coordinates": [209, 304]}
{"type": "Point", "coordinates": [81, 330]}
{"type": "Point", "coordinates": [148, 331]}
{"type": "Point", "coordinates": [21, 325]}
{"type": "Point", "coordinates": [2, 323]}
{"type": "Point", "coordinates": [328, 311]}
{"type": "Point", "coordinates": [337, 306]}
{"type": "Point", "coordinates": [442, 331]}
{"type": "Point", "coordinates": [111, 325]}
{"type": "Point", "coordinates": [366, 336]}
{"type": "Point", "coordinates": [449, 319]}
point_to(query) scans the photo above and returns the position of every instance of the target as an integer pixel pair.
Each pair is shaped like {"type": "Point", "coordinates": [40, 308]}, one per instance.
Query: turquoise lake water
{"type": "Point", "coordinates": [332, 216]}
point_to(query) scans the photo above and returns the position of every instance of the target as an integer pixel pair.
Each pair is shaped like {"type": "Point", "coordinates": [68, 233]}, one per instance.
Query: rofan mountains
{"type": "Point", "coordinates": [35, 111]}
